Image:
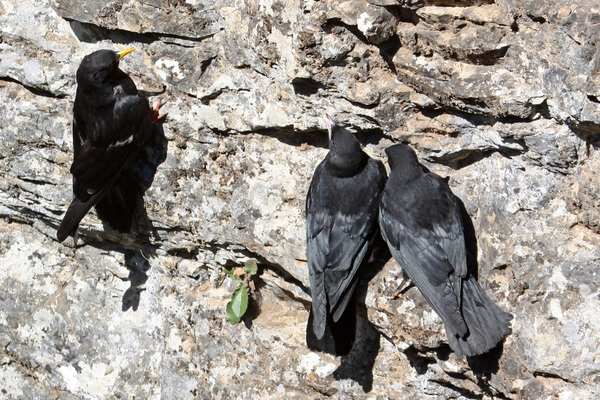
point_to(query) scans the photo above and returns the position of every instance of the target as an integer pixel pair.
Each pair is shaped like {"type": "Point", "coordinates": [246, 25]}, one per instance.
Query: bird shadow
{"type": "Point", "coordinates": [144, 169]}
{"type": "Point", "coordinates": [470, 240]}
{"type": "Point", "coordinates": [358, 364]}
{"type": "Point", "coordinates": [136, 254]}
{"type": "Point", "coordinates": [486, 364]}
{"type": "Point", "coordinates": [151, 156]}
{"type": "Point", "coordinates": [138, 266]}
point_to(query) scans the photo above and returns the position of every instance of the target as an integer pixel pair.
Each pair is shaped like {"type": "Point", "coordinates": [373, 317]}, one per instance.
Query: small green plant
{"type": "Point", "coordinates": [238, 305]}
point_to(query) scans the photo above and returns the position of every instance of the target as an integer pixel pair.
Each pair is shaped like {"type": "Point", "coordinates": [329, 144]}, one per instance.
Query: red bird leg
{"type": "Point", "coordinates": [396, 293]}
{"type": "Point", "coordinates": [155, 116]}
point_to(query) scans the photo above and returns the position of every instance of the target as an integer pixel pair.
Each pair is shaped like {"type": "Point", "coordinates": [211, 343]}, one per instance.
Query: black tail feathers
{"type": "Point", "coordinates": [118, 206]}
{"type": "Point", "coordinates": [488, 324]}
{"type": "Point", "coordinates": [73, 216]}
{"type": "Point", "coordinates": [339, 336]}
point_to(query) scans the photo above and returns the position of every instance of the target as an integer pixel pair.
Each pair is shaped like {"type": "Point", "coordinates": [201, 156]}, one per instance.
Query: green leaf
{"type": "Point", "coordinates": [240, 301]}
{"type": "Point", "coordinates": [231, 317]}
{"type": "Point", "coordinates": [238, 305]}
{"type": "Point", "coordinates": [251, 267]}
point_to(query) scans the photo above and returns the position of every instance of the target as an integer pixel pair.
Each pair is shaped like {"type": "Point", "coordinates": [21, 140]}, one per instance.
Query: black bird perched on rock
{"type": "Point", "coordinates": [421, 221]}
{"type": "Point", "coordinates": [111, 123]}
{"type": "Point", "coordinates": [341, 223]}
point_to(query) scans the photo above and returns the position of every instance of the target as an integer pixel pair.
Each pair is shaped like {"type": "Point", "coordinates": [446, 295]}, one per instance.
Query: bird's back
{"type": "Point", "coordinates": [341, 220]}
{"type": "Point", "coordinates": [422, 204]}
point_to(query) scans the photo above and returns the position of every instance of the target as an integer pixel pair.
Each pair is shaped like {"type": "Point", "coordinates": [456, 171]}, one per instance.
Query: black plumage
{"type": "Point", "coordinates": [341, 223]}
{"type": "Point", "coordinates": [421, 221]}
{"type": "Point", "coordinates": [111, 123]}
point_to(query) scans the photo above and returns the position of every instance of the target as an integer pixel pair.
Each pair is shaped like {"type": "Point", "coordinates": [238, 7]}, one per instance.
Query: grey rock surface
{"type": "Point", "coordinates": [502, 97]}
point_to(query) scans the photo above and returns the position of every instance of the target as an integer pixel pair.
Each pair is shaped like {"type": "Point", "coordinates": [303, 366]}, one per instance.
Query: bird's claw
{"type": "Point", "coordinates": [397, 293]}
{"type": "Point", "coordinates": [154, 113]}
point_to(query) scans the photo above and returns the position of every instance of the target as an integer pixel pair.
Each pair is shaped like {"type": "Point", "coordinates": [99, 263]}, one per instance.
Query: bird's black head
{"type": "Point", "coordinates": [403, 162]}
{"type": "Point", "coordinates": [345, 158]}
{"type": "Point", "coordinates": [99, 68]}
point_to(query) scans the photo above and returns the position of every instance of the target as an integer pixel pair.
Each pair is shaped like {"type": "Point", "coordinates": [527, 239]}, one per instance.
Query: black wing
{"type": "Point", "coordinates": [108, 149]}
{"type": "Point", "coordinates": [421, 222]}
{"type": "Point", "coordinates": [341, 220]}
{"type": "Point", "coordinates": [104, 144]}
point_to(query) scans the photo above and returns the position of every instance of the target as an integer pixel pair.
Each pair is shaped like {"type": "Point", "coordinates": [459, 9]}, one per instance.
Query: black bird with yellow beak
{"type": "Point", "coordinates": [111, 123]}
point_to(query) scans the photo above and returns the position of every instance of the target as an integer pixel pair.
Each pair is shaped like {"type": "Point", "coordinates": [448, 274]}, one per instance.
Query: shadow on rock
{"type": "Point", "coordinates": [142, 172]}
{"type": "Point", "coordinates": [150, 157]}
{"type": "Point", "coordinates": [587, 131]}
{"type": "Point", "coordinates": [138, 267]}
{"type": "Point", "coordinates": [420, 361]}
{"type": "Point", "coordinates": [358, 365]}
{"type": "Point", "coordinates": [255, 299]}
{"type": "Point", "coordinates": [486, 364]}
{"type": "Point", "coordinates": [144, 169]}
{"type": "Point", "coordinates": [470, 240]}
{"type": "Point", "coordinates": [89, 33]}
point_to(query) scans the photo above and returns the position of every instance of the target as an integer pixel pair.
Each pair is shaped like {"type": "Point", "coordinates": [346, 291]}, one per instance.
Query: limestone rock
{"type": "Point", "coordinates": [375, 22]}
{"type": "Point", "coordinates": [499, 96]}
{"type": "Point", "coordinates": [189, 19]}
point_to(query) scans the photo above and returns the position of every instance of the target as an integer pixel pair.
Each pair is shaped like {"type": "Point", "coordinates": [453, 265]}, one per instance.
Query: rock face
{"type": "Point", "coordinates": [503, 97]}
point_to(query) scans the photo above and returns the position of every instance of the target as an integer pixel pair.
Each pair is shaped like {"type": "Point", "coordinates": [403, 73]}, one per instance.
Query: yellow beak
{"type": "Point", "coordinates": [123, 53]}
